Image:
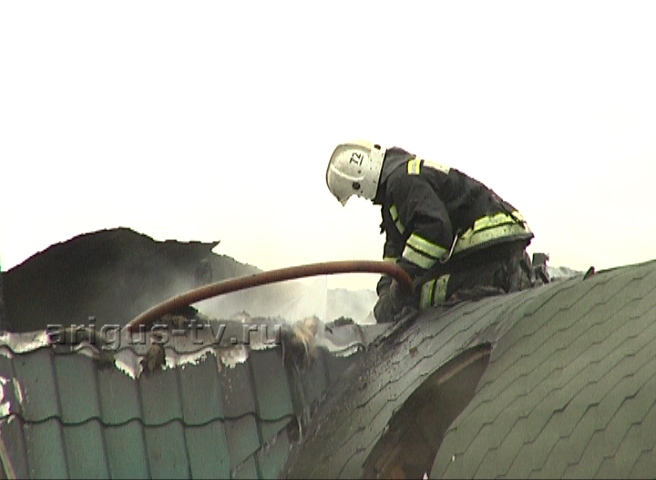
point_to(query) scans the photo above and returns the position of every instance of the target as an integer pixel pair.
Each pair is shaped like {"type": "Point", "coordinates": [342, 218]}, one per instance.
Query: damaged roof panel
{"type": "Point", "coordinates": [391, 375]}
{"type": "Point", "coordinates": [112, 274]}
{"type": "Point", "coordinates": [568, 389]}
{"type": "Point", "coordinates": [213, 411]}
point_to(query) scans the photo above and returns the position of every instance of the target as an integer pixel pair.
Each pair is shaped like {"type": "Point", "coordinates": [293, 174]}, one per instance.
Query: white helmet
{"type": "Point", "coordinates": [354, 169]}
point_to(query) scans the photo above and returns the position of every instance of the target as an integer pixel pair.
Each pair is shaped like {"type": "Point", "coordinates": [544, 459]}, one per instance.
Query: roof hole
{"type": "Point", "coordinates": [415, 432]}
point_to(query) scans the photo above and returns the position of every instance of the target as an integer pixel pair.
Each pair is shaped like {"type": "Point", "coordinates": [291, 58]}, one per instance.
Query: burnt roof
{"type": "Point", "coordinates": [112, 275]}
{"type": "Point", "coordinates": [569, 389]}
{"type": "Point", "coordinates": [554, 381]}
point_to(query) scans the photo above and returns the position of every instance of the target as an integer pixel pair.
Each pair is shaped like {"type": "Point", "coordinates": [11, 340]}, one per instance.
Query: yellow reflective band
{"type": "Point", "coordinates": [439, 296]}
{"type": "Point", "coordinates": [518, 216]}
{"type": "Point", "coordinates": [390, 259]}
{"type": "Point", "coordinates": [491, 228]}
{"type": "Point", "coordinates": [418, 258]}
{"type": "Point", "coordinates": [394, 213]}
{"type": "Point", "coordinates": [426, 297]}
{"type": "Point", "coordinates": [414, 166]}
{"type": "Point", "coordinates": [433, 292]}
{"type": "Point", "coordinates": [492, 221]}
{"type": "Point", "coordinates": [424, 246]}
{"type": "Point", "coordinates": [395, 218]}
{"type": "Point", "coordinates": [436, 166]}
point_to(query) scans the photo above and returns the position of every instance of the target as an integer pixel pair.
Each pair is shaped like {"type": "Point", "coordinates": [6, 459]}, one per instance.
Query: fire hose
{"type": "Point", "coordinates": [264, 278]}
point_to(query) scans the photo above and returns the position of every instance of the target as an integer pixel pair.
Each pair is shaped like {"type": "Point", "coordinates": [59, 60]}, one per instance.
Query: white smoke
{"type": "Point", "coordinates": [289, 300]}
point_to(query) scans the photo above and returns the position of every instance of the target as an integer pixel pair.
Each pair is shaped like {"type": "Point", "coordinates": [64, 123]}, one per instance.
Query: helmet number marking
{"type": "Point", "coordinates": [357, 158]}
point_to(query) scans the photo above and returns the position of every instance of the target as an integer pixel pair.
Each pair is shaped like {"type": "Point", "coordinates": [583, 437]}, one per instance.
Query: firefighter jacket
{"type": "Point", "coordinates": [431, 213]}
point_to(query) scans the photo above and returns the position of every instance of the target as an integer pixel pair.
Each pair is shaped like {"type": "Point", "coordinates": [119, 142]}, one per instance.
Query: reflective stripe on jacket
{"type": "Point", "coordinates": [426, 204]}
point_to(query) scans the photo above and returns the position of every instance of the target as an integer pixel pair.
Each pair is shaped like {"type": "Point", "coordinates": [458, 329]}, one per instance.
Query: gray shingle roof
{"type": "Point", "coordinates": [569, 390]}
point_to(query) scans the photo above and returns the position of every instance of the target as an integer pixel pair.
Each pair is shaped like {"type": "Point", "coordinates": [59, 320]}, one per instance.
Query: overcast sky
{"type": "Point", "coordinates": [215, 120]}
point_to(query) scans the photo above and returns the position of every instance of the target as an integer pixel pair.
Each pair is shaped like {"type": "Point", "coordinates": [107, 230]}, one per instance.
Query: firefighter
{"type": "Point", "coordinates": [453, 235]}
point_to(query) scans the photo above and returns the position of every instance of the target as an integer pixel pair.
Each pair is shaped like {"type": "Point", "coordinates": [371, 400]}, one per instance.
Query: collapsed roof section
{"type": "Point", "coordinates": [113, 275]}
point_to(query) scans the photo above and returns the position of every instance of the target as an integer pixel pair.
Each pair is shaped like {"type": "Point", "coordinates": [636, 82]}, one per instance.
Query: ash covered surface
{"type": "Point", "coordinates": [115, 274]}
{"type": "Point", "coordinates": [112, 275]}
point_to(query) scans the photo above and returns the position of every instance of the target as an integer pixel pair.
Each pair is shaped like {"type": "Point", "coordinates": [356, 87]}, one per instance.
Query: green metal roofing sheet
{"type": "Point", "coordinates": [66, 415]}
